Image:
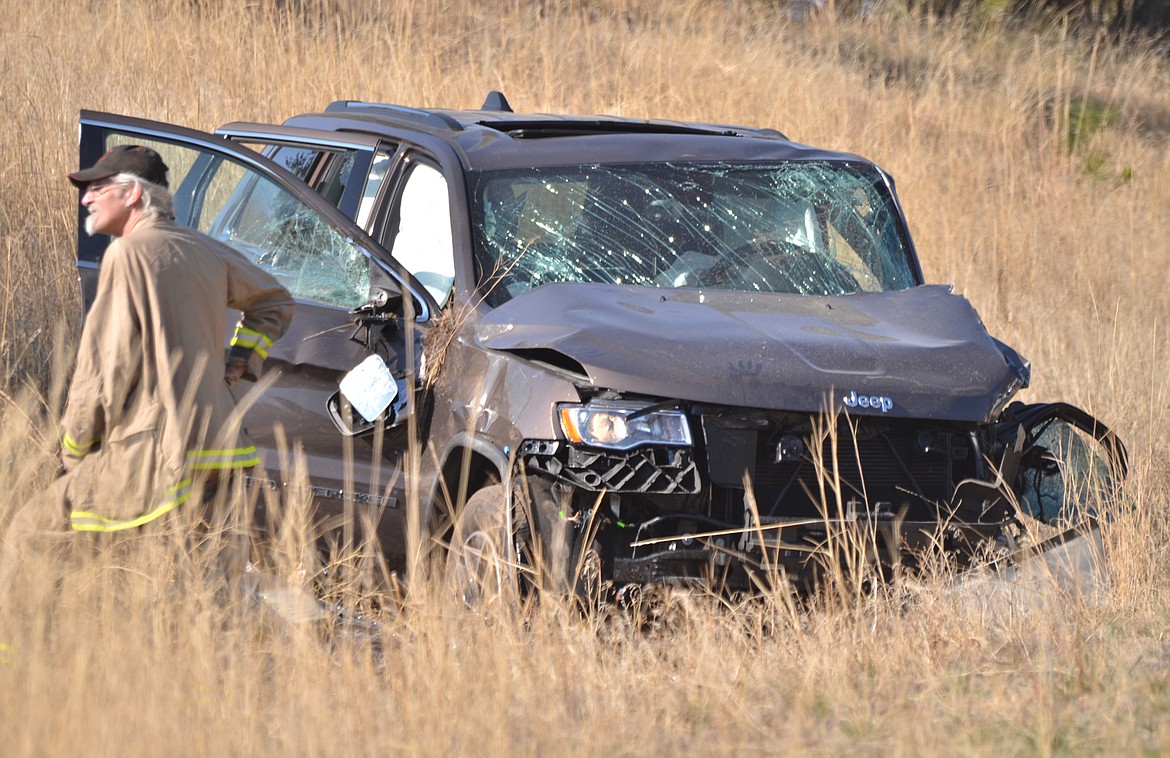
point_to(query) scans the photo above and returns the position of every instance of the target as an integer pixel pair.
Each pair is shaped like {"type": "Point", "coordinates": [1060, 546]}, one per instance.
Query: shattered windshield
{"type": "Point", "coordinates": [811, 228]}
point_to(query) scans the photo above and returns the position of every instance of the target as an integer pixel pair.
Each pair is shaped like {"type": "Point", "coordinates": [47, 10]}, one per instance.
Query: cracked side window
{"type": "Point", "coordinates": [282, 235]}
{"type": "Point", "coordinates": [814, 228]}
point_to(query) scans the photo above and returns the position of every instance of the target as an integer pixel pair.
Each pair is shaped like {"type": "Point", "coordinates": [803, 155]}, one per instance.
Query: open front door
{"type": "Point", "coordinates": [1071, 466]}
{"type": "Point", "coordinates": [330, 266]}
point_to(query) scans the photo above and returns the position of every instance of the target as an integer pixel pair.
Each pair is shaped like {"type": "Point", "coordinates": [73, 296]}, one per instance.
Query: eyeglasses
{"type": "Point", "coordinates": [97, 190]}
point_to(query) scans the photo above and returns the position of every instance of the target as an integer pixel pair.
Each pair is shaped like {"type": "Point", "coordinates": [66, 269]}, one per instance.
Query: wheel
{"type": "Point", "coordinates": [486, 563]}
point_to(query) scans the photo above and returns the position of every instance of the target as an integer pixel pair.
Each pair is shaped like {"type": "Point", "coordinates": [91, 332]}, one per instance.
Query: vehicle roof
{"type": "Point", "coordinates": [494, 137]}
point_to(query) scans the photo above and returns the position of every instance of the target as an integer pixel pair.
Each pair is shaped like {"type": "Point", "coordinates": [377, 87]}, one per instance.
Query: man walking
{"type": "Point", "coordinates": [148, 416]}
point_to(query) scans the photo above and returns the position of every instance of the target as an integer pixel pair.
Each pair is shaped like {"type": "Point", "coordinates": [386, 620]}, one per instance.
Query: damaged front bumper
{"type": "Point", "coordinates": [768, 497]}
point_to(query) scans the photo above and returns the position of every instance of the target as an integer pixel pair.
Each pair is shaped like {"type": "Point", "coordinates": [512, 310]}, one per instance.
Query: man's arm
{"type": "Point", "coordinates": [267, 309]}
{"type": "Point", "coordinates": [108, 361]}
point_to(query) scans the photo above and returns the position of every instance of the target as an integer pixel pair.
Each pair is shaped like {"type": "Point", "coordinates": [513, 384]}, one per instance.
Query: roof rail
{"type": "Point", "coordinates": [537, 128]}
{"type": "Point", "coordinates": [497, 102]}
{"type": "Point", "coordinates": [432, 118]}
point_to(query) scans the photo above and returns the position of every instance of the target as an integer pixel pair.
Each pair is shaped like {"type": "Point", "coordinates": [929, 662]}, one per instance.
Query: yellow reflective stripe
{"type": "Point", "coordinates": [252, 339]}
{"type": "Point", "coordinates": [5, 654]}
{"type": "Point", "coordinates": [76, 448]}
{"type": "Point", "coordinates": [240, 457]}
{"type": "Point", "coordinates": [87, 521]}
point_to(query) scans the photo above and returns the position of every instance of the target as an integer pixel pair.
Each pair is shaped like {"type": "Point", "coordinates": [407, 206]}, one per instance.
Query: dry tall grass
{"type": "Point", "coordinates": [1058, 236]}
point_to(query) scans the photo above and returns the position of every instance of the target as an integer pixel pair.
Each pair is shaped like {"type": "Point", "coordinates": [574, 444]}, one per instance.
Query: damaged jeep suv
{"type": "Point", "coordinates": [596, 353]}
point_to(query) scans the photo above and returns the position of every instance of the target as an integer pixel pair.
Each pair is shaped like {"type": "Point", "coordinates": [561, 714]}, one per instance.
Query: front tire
{"type": "Point", "coordinates": [486, 561]}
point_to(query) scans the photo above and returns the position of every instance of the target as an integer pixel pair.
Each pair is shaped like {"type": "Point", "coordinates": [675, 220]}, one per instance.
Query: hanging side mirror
{"type": "Point", "coordinates": [365, 395]}
{"type": "Point", "coordinates": [347, 420]}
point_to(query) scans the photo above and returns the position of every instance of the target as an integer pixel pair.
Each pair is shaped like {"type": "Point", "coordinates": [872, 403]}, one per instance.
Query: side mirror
{"type": "Point", "coordinates": [367, 395]}
{"type": "Point", "coordinates": [347, 420]}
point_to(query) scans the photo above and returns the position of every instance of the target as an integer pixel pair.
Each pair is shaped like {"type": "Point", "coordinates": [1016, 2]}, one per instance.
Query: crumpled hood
{"type": "Point", "coordinates": [917, 353]}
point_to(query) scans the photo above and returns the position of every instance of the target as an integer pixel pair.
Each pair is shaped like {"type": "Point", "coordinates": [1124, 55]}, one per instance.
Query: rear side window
{"type": "Point", "coordinates": [327, 171]}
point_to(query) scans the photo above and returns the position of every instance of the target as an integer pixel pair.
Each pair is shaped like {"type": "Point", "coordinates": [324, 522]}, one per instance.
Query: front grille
{"type": "Point", "coordinates": [887, 467]}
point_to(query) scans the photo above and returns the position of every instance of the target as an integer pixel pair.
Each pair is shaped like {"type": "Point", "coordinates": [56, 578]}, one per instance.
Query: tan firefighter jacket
{"type": "Point", "coordinates": [148, 407]}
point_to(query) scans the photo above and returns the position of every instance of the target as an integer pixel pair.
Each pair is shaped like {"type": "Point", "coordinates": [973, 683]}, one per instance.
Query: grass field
{"type": "Point", "coordinates": [1035, 171]}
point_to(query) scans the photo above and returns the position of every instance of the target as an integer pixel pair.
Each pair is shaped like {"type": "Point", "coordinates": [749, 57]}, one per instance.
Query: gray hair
{"type": "Point", "coordinates": [157, 201]}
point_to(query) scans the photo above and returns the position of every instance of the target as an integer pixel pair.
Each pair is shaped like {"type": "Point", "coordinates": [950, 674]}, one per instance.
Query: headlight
{"type": "Point", "coordinates": [620, 427]}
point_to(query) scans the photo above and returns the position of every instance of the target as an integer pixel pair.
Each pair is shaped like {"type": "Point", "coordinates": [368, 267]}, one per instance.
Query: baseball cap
{"type": "Point", "coordinates": [124, 159]}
